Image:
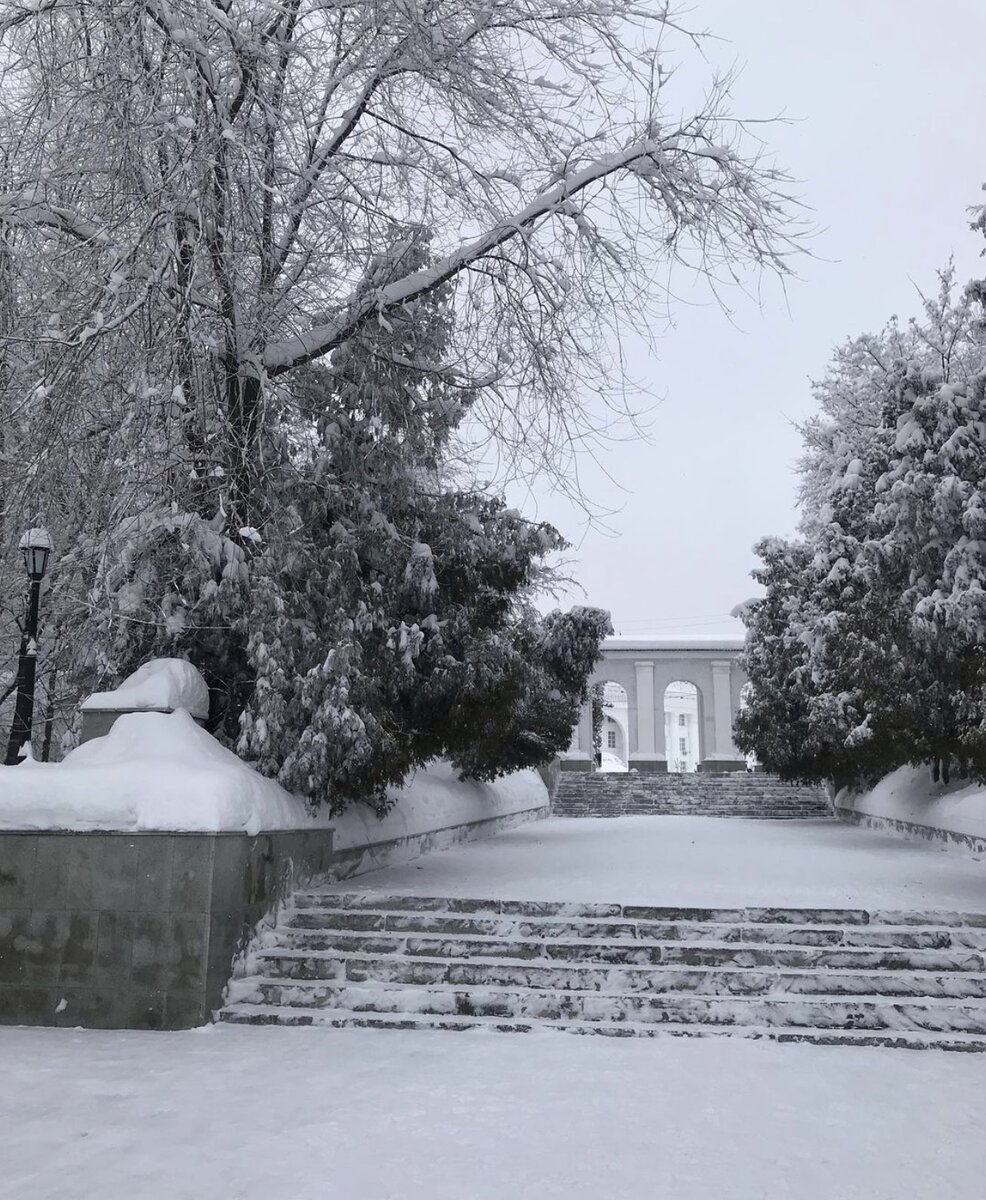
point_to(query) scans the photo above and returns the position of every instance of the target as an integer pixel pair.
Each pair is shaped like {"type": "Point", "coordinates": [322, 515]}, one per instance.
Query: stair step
{"type": "Point", "coordinates": [834, 975]}
{"type": "Point", "coordinates": [734, 795]}
{"type": "Point", "coordinates": [935, 1015]}
{"type": "Point", "coordinates": [255, 1014]}
{"type": "Point", "coordinates": [641, 953]}
{"type": "Point", "coordinates": [378, 902]}
{"type": "Point", "coordinates": [618, 929]}
{"type": "Point", "coordinates": [298, 965]}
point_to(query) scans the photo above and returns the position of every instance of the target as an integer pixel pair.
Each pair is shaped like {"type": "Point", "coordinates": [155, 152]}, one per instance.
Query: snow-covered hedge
{"type": "Point", "coordinates": [153, 770]}
{"type": "Point", "coordinates": [909, 803]}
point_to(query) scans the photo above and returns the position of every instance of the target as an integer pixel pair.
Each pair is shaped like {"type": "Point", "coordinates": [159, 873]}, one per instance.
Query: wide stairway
{"type": "Point", "coordinates": [845, 976]}
{"type": "Point", "coordinates": [729, 794]}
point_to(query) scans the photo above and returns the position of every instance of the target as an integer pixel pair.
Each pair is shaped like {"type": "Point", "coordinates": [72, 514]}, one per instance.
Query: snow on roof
{"type": "Point", "coordinates": [152, 770]}
{"type": "Point", "coordinates": [672, 642]}
{"type": "Point", "coordinates": [162, 685]}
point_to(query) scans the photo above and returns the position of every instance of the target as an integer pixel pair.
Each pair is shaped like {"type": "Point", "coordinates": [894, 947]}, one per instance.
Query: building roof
{"type": "Point", "coordinates": [672, 643]}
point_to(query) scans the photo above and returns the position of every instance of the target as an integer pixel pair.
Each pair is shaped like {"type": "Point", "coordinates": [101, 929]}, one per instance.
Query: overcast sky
{"type": "Point", "coordinates": [886, 105]}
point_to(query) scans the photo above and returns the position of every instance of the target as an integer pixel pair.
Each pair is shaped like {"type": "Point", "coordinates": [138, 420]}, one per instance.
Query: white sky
{"type": "Point", "coordinates": [886, 99]}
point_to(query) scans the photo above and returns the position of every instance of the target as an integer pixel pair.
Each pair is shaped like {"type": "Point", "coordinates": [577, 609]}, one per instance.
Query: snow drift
{"type": "Point", "coordinates": [955, 810]}
{"type": "Point", "coordinates": [161, 771]}
{"type": "Point", "coordinates": [435, 798]}
{"type": "Point", "coordinates": [153, 770]}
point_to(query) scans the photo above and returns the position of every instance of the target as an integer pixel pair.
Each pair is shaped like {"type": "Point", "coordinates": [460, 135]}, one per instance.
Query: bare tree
{"type": "Point", "coordinates": [196, 190]}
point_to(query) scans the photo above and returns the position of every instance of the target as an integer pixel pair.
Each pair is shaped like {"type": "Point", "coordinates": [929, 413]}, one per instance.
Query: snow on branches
{"type": "Point", "coordinates": [872, 635]}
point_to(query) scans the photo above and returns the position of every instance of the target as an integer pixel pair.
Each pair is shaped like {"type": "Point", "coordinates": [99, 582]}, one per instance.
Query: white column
{"type": "Point", "coordinates": [646, 731]}
{"type": "Point", "coordinates": [585, 727]}
{"type": "Point", "coordinates": [722, 709]}
{"type": "Point", "coordinates": [650, 751]}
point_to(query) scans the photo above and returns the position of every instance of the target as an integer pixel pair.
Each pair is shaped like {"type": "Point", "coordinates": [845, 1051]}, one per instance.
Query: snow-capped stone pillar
{"type": "Point", "coordinates": [160, 686]}
{"type": "Point", "coordinates": [650, 752]}
{"type": "Point", "coordinates": [724, 756]}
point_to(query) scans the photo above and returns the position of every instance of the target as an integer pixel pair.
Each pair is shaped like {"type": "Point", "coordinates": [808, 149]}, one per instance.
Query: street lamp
{"type": "Point", "coordinates": [35, 545]}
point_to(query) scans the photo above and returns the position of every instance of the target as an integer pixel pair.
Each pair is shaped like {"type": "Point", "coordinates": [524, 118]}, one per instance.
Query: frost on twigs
{"type": "Point", "coordinates": [215, 181]}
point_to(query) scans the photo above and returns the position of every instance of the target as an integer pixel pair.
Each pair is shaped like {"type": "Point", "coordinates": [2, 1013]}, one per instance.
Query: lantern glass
{"type": "Point", "coordinates": [36, 560]}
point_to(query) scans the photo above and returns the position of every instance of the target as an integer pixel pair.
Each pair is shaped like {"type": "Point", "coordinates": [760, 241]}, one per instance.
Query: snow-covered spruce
{"type": "Point", "coordinates": [869, 649]}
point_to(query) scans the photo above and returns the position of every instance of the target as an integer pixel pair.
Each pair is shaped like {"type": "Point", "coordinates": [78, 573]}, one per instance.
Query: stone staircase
{"type": "Point", "coordinates": [843, 976]}
{"type": "Point", "coordinates": [729, 794]}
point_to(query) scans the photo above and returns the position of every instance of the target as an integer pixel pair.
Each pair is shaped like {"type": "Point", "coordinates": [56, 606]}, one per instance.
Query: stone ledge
{"type": "Point", "coordinates": [913, 830]}
{"type": "Point", "coordinates": [357, 860]}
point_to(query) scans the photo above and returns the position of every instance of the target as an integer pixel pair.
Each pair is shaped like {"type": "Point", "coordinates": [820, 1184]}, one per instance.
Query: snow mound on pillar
{"type": "Point", "coordinates": [162, 684]}
{"type": "Point", "coordinates": [153, 770]}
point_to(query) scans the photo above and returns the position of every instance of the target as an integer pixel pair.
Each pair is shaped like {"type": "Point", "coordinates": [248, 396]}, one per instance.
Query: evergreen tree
{"type": "Point", "coordinates": [873, 632]}
{"type": "Point", "coordinates": [390, 623]}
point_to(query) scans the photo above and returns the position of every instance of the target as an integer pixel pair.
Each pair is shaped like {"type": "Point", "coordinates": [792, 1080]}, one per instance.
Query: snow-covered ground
{"type": "Point", "coordinates": [301, 1114]}
{"type": "Point", "coordinates": [697, 861]}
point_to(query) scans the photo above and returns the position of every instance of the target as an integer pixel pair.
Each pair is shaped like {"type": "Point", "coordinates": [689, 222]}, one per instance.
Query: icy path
{"type": "Point", "coordinates": [697, 861]}
{"type": "Point", "coordinates": [282, 1114]}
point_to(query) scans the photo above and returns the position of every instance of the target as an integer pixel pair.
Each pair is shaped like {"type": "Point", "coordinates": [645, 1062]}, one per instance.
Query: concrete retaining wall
{"type": "Point", "coordinates": [373, 856]}
{"type": "Point", "coordinates": [969, 842]}
{"type": "Point", "coordinates": [436, 811]}
{"type": "Point", "coordinates": [137, 930]}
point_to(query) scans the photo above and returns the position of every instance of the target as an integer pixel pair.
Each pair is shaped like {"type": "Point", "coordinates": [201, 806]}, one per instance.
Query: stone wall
{"type": "Point", "coordinates": [137, 930]}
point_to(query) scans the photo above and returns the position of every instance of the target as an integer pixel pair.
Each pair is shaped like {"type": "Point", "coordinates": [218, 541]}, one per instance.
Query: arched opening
{"type": "Point", "coordinates": [611, 715]}
{"type": "Point", "coordinates": [681, 727]}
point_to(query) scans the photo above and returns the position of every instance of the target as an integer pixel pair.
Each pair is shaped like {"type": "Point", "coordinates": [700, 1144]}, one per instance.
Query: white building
{"type": "Point", "coordinates": [668, 705]}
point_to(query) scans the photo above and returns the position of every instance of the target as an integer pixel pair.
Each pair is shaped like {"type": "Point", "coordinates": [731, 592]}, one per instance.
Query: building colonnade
{"type": "Point", "coordinates": [644, 668]}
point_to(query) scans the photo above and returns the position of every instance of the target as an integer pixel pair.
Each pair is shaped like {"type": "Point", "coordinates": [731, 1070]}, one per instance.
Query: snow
{"type": "Point", "coordinates": [909, 794]}
{"type": "Point", "coordinates": [163, 683]}
{"type": "Point", "coordinates": [435, 798]}
{"type": "Point", "coordinates": [40, 538]}
{"type": "Point", "coordinates": [698, 862]}
{"type": "Point", "coordinates": [157, 770]}
{"type": "Point", "coordinates": [153, 770]}
{"type": "Point", "coordinates": [303, 1114]}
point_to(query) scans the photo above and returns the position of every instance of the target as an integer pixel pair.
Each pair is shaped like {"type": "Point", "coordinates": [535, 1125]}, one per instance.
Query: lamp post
{"type": "Point", "coordinates": [35, 545]}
